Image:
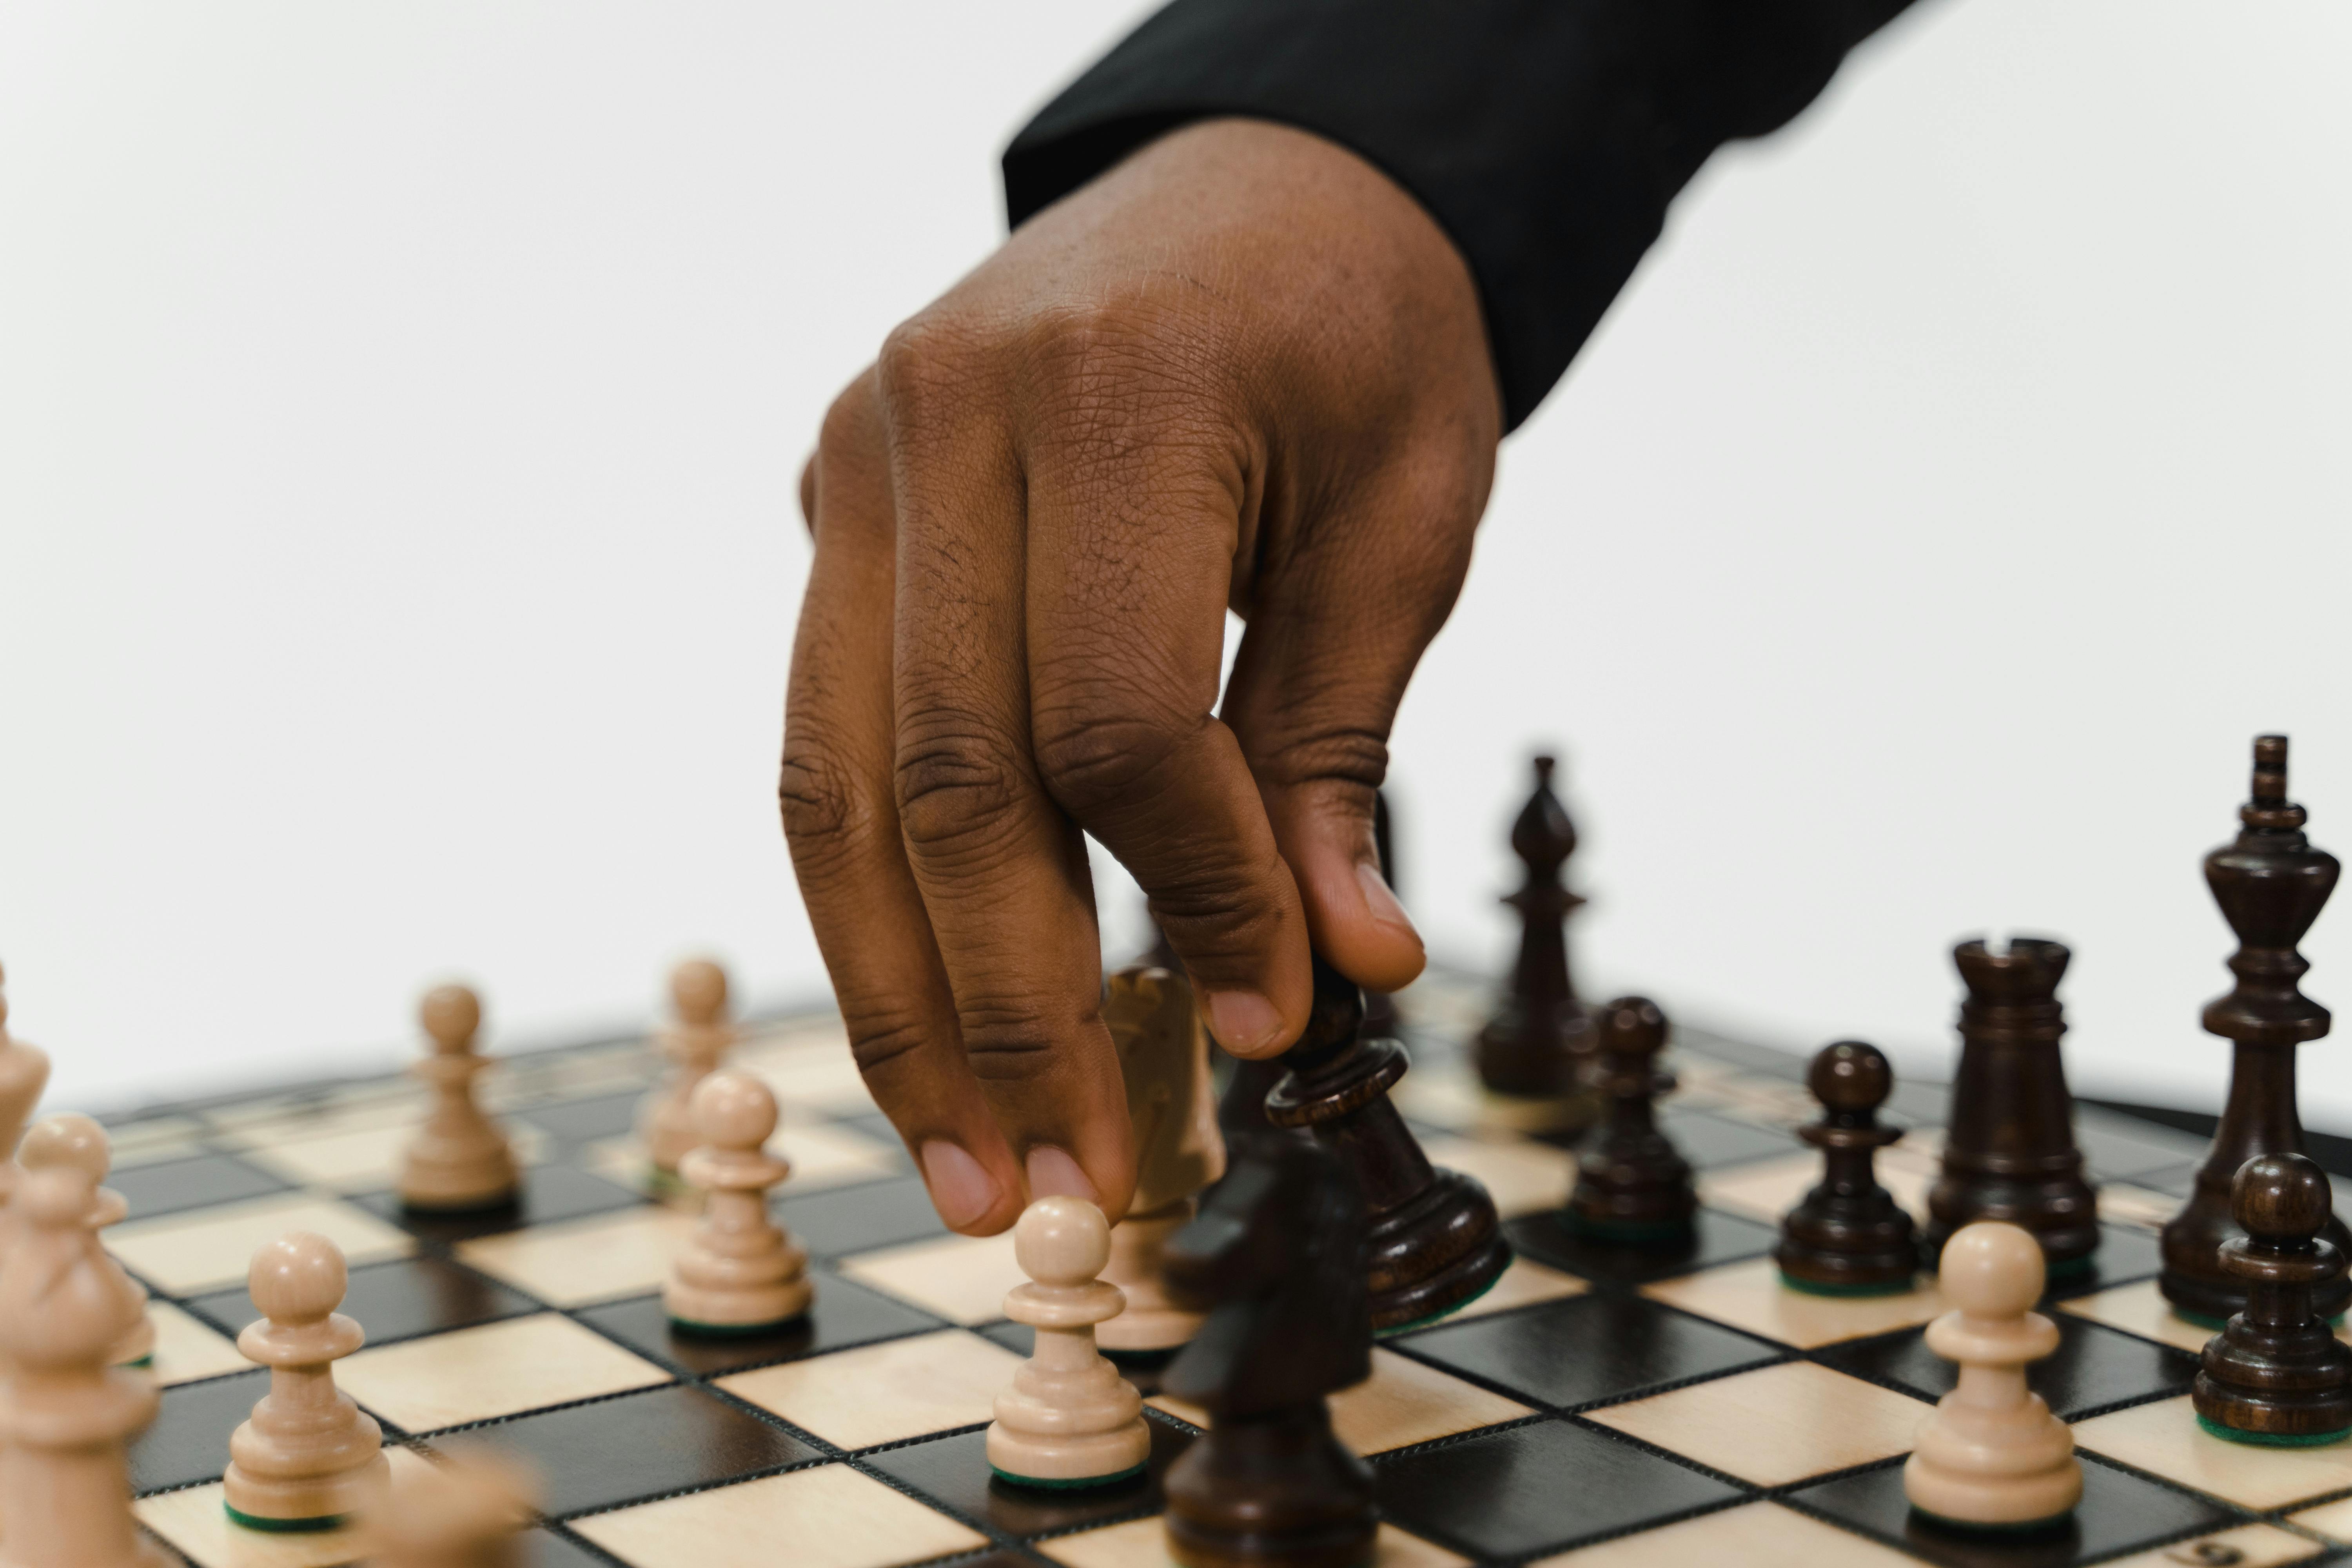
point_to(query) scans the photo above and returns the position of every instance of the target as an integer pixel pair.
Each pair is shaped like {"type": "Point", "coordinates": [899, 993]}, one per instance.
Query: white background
{"type": "Point", "coordinates": [400, 409]}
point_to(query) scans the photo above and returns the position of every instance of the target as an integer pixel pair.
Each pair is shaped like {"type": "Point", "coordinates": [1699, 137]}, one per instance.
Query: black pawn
{"type": "Point", "coordinates": [2271, 883]}
{"type": "Point", "coordinates": [2276, 1374]}
{"type": "Point", "coordinates": [2010, 1152]}
{"type": "Point", "coordinates": [1540, 1035]}
{"type": "Point", "coordinates": [1849, 1237]}
{"type": "Point", "coordinates": [1630, 1182]}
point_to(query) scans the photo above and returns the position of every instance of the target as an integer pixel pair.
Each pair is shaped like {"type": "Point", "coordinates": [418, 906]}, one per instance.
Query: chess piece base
{"type": "Point", "coordinates": [2012, 1468]}
{"type": "Point", "coordinates": [1084, 1483]}
{"type": "Point", "coordinates": [1039, 1455]}
{"type": "Point", "coordinates": [309, 1502]}
{"type": "Point", "coordinates": [736, 1310]}
{"type": "Point", "coordinates": [462, 1182]}
{"type": "Point", "coordinates": [1151, 1323]}
{"type": "Point", "coordinates": [1437, 1252]}
{"type": "Point", "coordinates": [1271, 1489]}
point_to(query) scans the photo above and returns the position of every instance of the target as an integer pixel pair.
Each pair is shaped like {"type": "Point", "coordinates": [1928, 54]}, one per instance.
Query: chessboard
{"type": "Point", "coordinates": [1602, 1405]}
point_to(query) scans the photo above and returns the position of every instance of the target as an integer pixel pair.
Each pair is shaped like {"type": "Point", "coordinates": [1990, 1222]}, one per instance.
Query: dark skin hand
{"type": "Point", "coordinates": [1241, 369]}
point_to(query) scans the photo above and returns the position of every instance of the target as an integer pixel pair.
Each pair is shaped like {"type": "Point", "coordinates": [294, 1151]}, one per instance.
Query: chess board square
{"type": "Point", "coordinates": [491, 1370]}
{"type": "Point", "coordinates": [2140, 1309]}
{"type": "Point", "coordinates": [1521, 1176]}
{"type": "Point", "coordinates": [1752, 1295]}
{"type": "Point", "coordinates": [1776, 1425]}
{"type": "Point", "coordinates": [841, 1314]}
{"type": "Point", "coordinates": [953, 1472]}
{"type": "Point", "coordinates": [2143, 1208]}
{"type": "Point", "coordinates": [2091, 1369]}
{"type": "Point", "coordinates": [1524, 1283]}
{"type": "Point", "coordinates": [543, 1548]}
{"type": "Point", "coordinates": [354, 1159]}
{"type": "Point", "coordinates": [1765, 1190]}
{"type": "Point", "coordinates": [1143, 1543]}
{"type": "Point", "coordinates": [962, 1278]}
{"type": "Point", "coordinates": [1755, 1535]}
{"type": "Point", "coordinates": [144, 1140]}
{"type": "Point", "coordinates": [187, 1349]}
{"type": "Point", "coordinates": [1536, 1488]}
{"type": "Point", "coordinates": [2117, 1146]}
{"type": "Point", "coordinates": [2119, 1511]}
{"type": "Point", "coordinates": [851, 1219]}
{"type": "Point", "coordinates": [195, 1524]}
{"type": "Point", "coordinates": [170, 1186]}
{"type": "Point", "coordinates": [396, 1300]}
{"type": "Point", "coordinates": [885, 1393]}
{"type": "Point", "coordinates": [188, 1439]}
{"type": "Point", "coordinates": [205, 1249]}
{"type": "Point", "coordinates": [2332, 1520]}
{"type": "Point", "coordinates": [810, 1073]}
{"type": "Point", "coordinates": [595, 1259]}
{"type": "Point", "coordinates": [2173, 1181]}
{"type": "Point", "coordinates": [2124, 1253]}
{"type": "Point", "coordinates": [1709, 1141]}
{"type": "Point", "coordinates": [639, 1446]}
{"type": "Point", "coordinates": [1716, 1238]}
{"type": "Point", "coordinates": [1585, 1351]}
{"type": "Point", "coordinates": [549, 1195]}
{"type": "Point", "coordinates": [826, 1517]}
{"type": "Point", "coordinates": [1403, 1401]}
{"type": "Point", "coordinates": [2164, 1439]}
{"type": "Point", "coordinates": [586, 1121]}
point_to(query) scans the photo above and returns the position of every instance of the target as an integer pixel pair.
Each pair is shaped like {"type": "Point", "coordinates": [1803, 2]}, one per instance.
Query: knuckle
{"type": "Point", "coordinates": [822, 805]}
{"type": "Point", "coordinates": [880, 1034]}
{"type": "Point", "coordinates": [1094, 753]}
{"type": "Point", "coordinates": [1354, 757]}
{"type": "Point", "coordinates": [927, 361]}
{"type": "Point", "coordinates": [1007, 1041]}
{"type": "Point", "coordinates": [954, 783]}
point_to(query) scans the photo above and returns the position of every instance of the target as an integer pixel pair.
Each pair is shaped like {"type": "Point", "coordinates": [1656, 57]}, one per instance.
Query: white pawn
{"type": "Point", "coordinates": [309, 1457]}
{"type": "Point", "coordinates": [1990, 1454]}
{"type": "Point", "coordinates": [79, 1144]}
{"type": "Point", "coordinates": [1069, 1419]}
{"type": "Point", "coordinates": [459, 1160]}
{"type": "Point", "coordinates": [694, 1044]}
{"type": "Point", "coordinates": [737, 1273]}
{"type": "Point", "coordinates": [64, 1486]}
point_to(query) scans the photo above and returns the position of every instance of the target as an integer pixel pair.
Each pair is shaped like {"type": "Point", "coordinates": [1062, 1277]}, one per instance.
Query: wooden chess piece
{"type": "Point", "coordinates": [2276, 1374]}
{"type": "Point", "coordinates": [1435, 1241]}
{"type": "Point", "coordinates": [468, 1510]}
{"type": "Point", "coordinates": [1278, 1260]}
{"type": "Point", "coordinates": [1991, 1456]}
{"type": "Point", "coordinates": [1069, 1419]}
{"type": "Point", "coordinates": [1631, 1183]}
{"type": "Point", "coordinates": [695, 1043]}
{"type": "Point", "coordinates": [459, 1161]}
{"type": "Point", "coordinates": [308, 1457]}
{"type": "Point", "coordinates": [1539, 1038]}
{"type": "Point", "coordinates": [2270, 884]}
{"type": "Point", "coordinates": [24, 1073]}
{"type": "Point", "coordinates": [738, 1273]}
{"type": "Point", "coordinates": [77, 1141]}
{"type": "Point", "coordinates": [2010, 1153]}
{"type": "Point", "coordinates": [1163, 1055]}
{"type": "Point", "coordinates": [67, 1412]}
{"type": "Point", "coordinates": [1848, 1236]}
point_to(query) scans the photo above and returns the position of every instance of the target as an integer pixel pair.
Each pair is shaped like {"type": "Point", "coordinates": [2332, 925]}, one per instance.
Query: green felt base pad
{"type": "Point", "coordinates": [1081, 1484]}
{"type": "Point", "coordinates": [2271, 1440]}
{"type": "Point", "coordinates": [286, 1526]}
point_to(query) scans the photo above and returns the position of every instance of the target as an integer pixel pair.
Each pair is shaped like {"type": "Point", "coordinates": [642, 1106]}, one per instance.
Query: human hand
{"type": "Point", "coordinates": [1241, 369]}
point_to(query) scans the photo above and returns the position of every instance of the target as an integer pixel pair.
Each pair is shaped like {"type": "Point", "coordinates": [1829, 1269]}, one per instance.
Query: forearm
{"type": "Point", "coordinates": [1546, 138]}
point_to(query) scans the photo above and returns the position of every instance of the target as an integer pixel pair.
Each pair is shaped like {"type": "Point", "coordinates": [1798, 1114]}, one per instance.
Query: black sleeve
{"type": "Point", "coordinates": [1545, 136]}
